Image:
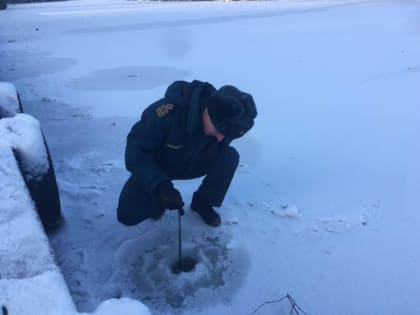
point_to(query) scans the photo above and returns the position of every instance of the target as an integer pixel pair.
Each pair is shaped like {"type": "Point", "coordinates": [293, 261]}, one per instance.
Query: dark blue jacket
{"type": "Point", "coordinates": [169, 142]}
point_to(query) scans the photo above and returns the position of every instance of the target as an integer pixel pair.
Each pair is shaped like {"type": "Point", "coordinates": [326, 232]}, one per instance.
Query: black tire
{"type": "Point", "coordinates": [44, 191]}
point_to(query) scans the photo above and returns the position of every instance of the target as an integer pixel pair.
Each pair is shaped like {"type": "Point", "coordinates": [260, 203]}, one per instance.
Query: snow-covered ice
{"type": "Point", "coordinates": [324, 205]}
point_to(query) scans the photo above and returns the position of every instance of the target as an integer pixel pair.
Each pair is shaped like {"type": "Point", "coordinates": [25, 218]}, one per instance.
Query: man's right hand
{"type": "Point", "coordinates": [169, 197]}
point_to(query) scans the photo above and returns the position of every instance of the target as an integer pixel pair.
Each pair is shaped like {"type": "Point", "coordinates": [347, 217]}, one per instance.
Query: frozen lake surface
{"type": "Point", "coordinates": [324, 205]}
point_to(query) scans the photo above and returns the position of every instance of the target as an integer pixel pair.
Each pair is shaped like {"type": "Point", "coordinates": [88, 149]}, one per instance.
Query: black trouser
{"type": "Point", "coordinates": [136, 205]}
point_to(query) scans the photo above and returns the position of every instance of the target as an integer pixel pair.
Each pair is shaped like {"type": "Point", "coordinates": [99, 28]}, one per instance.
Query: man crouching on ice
{"type": "Point", "coordinates": [184, 135]}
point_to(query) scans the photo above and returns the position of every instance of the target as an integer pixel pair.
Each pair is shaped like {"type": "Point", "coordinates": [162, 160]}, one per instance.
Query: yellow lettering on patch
{"type": "Point", "coordinates": [164, 110]}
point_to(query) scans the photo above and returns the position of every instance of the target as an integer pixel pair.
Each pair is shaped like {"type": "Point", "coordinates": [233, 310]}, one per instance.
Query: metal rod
{"type": "Point", "coordinates": [179, 240]}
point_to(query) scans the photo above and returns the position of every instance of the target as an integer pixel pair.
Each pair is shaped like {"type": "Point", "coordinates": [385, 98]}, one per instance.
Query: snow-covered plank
{"type": "Point", "coordinates": [23, 133]}
{"type": "Point", "coordinates": [29, 277]}
{"type": "Point", "coordinates": [24, 249]}
{"type": "Point", "coordinates": [9, 102]}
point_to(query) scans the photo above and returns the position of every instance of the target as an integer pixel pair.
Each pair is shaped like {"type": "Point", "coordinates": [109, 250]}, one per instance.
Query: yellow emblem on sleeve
{"type": "Point", "coordinates": [164, 110]}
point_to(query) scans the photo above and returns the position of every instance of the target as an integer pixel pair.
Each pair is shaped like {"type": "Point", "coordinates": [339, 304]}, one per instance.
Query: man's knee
{"type": "Point", "coordinates": [128, 218]}
{"type": "Point", "coordinates": [230, 156]}
{"type": "Point", "coordinates": [134, 205]}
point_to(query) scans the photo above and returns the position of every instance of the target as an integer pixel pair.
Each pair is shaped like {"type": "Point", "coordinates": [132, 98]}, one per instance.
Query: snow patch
{"type": "Point", "coordinates": [124, 306]}
{"type": "Point", "coordinates": [9, 103]}
{"type": "Point", "coordinates": [283, 211]}
{"type": "Point", "coordinates": [49, 99]}
{"type": "Point", "coordinates": [339, 224]}
{"type": "Point", "coordinates": [45, 294]}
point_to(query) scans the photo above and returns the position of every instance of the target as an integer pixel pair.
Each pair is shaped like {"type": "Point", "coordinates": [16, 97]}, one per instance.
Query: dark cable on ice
{"type": "Point", "coordinates": [294, 310]}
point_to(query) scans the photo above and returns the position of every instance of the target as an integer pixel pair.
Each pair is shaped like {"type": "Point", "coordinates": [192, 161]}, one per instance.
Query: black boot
{"type": "Point", "coordinates": [205, 210]}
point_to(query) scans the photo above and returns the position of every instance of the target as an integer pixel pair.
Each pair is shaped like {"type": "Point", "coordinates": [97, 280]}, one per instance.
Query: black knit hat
{"type": "Point", "coordinates": [231, 111]}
